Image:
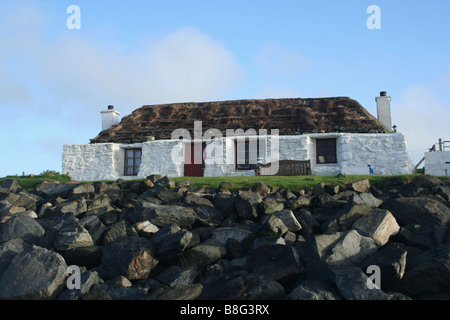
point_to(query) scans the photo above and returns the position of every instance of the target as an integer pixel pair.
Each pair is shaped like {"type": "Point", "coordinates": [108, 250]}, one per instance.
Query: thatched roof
{"type": "Point", "coordinates": [290, 116]}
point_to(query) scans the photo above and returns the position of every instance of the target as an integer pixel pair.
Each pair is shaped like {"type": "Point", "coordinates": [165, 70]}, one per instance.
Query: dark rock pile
{"type": "Point", "coordinates": [155, 239]}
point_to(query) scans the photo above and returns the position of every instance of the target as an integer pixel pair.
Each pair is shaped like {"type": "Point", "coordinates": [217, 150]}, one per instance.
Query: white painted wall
{"type": "Point", "coordinates": [386, 153]}
{"type": "Point", "coordinates": [437, 163]}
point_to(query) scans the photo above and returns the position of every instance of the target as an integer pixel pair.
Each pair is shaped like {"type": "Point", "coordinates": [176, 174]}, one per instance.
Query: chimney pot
{"type": "Point", "coordinates": [383, 94]}
{"type": "Point", "coordinates": [110, 107]}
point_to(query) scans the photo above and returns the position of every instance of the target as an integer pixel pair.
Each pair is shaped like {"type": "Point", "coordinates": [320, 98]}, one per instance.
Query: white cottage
{"type": "Point", "coordinates": [317, 136]}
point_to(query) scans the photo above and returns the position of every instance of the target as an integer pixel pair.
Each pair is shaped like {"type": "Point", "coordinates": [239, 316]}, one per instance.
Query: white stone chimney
{"type": "Point", "coordinates": [384, 110]}
{"type": "Point", "coordinates": [110, 117]}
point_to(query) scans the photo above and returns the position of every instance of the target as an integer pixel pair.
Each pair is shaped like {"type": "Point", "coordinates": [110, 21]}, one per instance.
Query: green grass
{"type": "Point", "coordinates": [28, 182]}
{"type": "Point", "coordinates": [290, 182]}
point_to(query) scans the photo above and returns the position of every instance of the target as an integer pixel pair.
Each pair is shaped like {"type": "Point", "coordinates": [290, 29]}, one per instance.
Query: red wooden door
{"type": "Point", "coordinates": [195, 163]}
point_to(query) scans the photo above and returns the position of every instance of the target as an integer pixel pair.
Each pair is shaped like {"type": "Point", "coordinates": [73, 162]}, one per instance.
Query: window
{"type": "Point", "coordinates": [326, 151]}
{"type": "Point", "coordinates": [132, 161]}
{"type": "Point", "coordinates": [248, 154]}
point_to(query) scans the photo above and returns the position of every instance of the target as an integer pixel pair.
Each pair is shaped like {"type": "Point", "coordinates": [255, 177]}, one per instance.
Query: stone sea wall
{"type": "Point", "coordinates": [157, 240]}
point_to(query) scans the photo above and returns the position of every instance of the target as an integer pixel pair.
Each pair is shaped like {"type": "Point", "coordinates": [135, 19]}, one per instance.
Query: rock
{"type": "Point", "coordinates": [95, 227]}
{"type": "Point", "coordinates": [332, 189]}
{"type": "Point", "coordinates": [238, 234]}
{"type": "Point", "coordinates": [165, 182]}
{"type": "Point", "coordinates": [272, 226]}
{"type": "Point", "coordinates": [110, 189]}
{"type": "Point", "coordinates": [231, 287]}
{"type": "Point", "coordinates": [52, 190]}
{"type": "Point", "coordinates": [204, 253]}
{"type": "Point", "coordinates": [115, 232]}
{"type": "Point", "coordinates": [259, 287]}
{"type": "Point", "coordinates": [267, 240]}
{"type": "Point", "coordinates": [319, 189]}
{"type": "Point", "coordinates": [87, 280]}
{"type": "Point", "coordinates": [365, 198]}
{"type": "Point", "coordinates": [427, 273]}
{"type": "Point", "coordinates": [247, 203]}
{"type": "Point", "coordinates": [349, 214]}
{"type": "Point", "coordinates": [88, 257]}
{"type": "Point", "coordinates": [392, 261]}
{"type": "Point", "coordinates": [419, 210]}
{"type": "Point", "coordinates": [72, 236]}
{"type": "Point", "coordinates": [289, 220]}
{"type": "Point", "coordinates": [77, 207]}
{"type": "Point", "coordinates": [351, 283]}
{"type": "Point", "coordinates": [132, 257]}
{"type": "Point", "coordinates": [175, 275]}
{"type": "Point", "coordinates": [162, 193]}
{"type": "Point", "coordinates": [379, 225]}
{"type": "Point", "coordinates": [154, 177]}
{"type": "Point", "coordinates": [343, 248]}
{"type": "Point", "coordinates": [145, 227]}
{"type": "Point", "coordinates": [225, 203]}
{"type": "Point", "coordinates": [235, 249]}
{"type": "Point", "coordinates": [8, 250]}
{"type": "Point", "coordinates": [52, 225]}
{"type": "Point", "coordinates": [120, 281]}
{"type": "Point", "coordinates": [271, 205]}
{"type": "Point", "coordinates": [170, 241]}
{"type": "Point", "coordinates": [359, 186]}
{"type": "Point", "coordinates": [10, 184]}
{"type": "Point", "coordinates": [261, 188]}
{"type": "Point", "coordinates": [193, 199]}
{"type": "Point", "coordinates": [21, 227]}
{"type": "Point", "coordinates": [35, 273]}
{"type": "Point", "coordinates": [279, 262]}
{"type": "Point", "coordinates": [115, 293]}
{"type": "Point", "coordinates": [161, 215]}
{"type": "Point", "coordinates": [208, 215]}
{"type": "Point", "coordinates": [178, 292]}
{"type": "Point", "coordinates": [300, 202]}
{"type": "Point", "coordinates": [100, 206]}
{"type": "Point", "coordinates": [308, 222]}
{"type": "Point", "coordinates": [313, 290]}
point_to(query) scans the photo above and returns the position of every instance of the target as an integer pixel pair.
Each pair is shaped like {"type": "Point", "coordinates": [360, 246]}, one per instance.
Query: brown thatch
{"type": "Point", "coordinates": [289, 116]}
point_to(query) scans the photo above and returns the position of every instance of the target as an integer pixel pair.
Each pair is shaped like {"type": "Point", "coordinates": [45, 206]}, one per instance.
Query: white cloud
{"type": "Point", "coordinates": [183, 66]}
{"type": "Point", "coordinates": [422, 117]}
{"type": "Point", "coordinates": [68, 76]}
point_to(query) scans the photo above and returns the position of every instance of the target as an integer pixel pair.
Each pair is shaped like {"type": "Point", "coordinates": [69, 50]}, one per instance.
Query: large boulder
{"type": "Point", "coordinates": [279, 262]}
{"type": "Point", "coordinates": [418, 210]}
{"type": "Point", "coordinates": [352, 284]}
{"type": "Point", "coordinates": [72, 236]}
{"type": "Point", "coordinates": [161, 215]}
{"type": "Point", "coordinates": [427, 273]}
{"type": "Point", "coordinates": [379, 225]}
{"type": "Point", "coordinates": [343, 248]}
{"type": "Point", "coordinates": [35, 273]}
{"type": "Point", "coordinates": [21, 227]}
{"type": "Point", "coordinates": [247, 204]}
{"type": "Point", "coordinates": [132, 257]}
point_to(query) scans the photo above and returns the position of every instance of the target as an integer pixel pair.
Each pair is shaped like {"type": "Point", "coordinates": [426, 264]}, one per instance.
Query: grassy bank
{"type": "Point", "coordinates": [290, 182]}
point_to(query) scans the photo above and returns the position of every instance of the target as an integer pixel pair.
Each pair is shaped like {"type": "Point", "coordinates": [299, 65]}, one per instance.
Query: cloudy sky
{"type": "Point", "coordinates": [55, 80]}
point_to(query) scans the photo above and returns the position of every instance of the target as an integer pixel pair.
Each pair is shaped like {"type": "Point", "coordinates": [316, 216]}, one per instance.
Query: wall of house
{"type": "Point", "coordinates": [386, 153]}
{"type": "Point", "coordinates": [89, 162]}
{"type": "Point", "coordinates": [437, 163]}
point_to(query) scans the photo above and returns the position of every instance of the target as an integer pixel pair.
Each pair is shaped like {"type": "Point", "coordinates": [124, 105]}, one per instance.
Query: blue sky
{"type": "Point", "coordinates": [54, 81]}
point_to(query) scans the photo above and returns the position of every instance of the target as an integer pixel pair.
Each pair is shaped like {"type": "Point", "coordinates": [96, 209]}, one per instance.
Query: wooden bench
{"type": "Point", "coordinates": [286, 168]}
